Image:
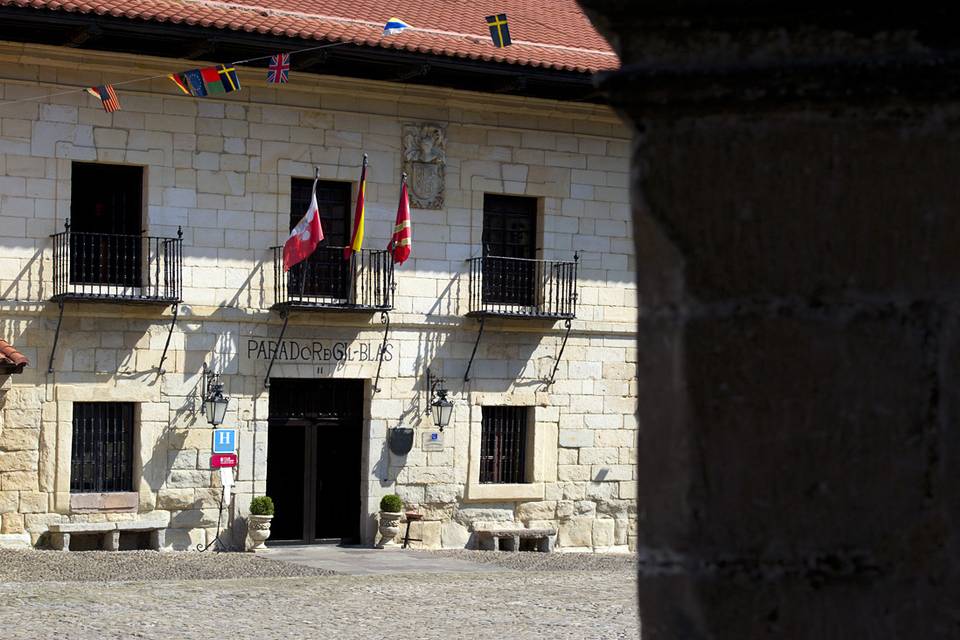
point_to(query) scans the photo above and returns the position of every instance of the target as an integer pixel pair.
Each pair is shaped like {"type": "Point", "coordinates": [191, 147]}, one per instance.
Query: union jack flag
{"type": "Point", "coordinates": [279, 70]}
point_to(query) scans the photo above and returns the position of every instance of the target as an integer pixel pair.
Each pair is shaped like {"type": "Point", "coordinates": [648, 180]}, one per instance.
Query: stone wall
{"type": "Point", "coordinates": [794, 185]}
{"type": "Point", "coordinates": [221, 170]}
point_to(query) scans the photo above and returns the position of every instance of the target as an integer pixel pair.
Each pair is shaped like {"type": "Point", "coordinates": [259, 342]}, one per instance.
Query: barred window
{"type": "Point", "coordinates": [326, 272]}
{"type": "Point", "coordinates": [102, 454]}
{"type": "Point", "coordinates": [503, 445]}
{"type": "Point", "coordinates": [509, 247]}
{"type": "Point", "coordinates": [106, 220]}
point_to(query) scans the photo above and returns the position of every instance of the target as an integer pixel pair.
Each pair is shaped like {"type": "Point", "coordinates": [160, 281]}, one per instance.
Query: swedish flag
{"type": "Point", "coordinates": [499, 30]}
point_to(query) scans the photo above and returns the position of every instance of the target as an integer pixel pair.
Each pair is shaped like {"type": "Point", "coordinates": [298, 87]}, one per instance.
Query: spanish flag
{"type": "Point", "coordinates": [357, 242]}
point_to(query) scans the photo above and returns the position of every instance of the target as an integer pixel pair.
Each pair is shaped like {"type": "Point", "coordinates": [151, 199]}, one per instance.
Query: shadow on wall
{"type": "Point", "coordinates": [30, 284]}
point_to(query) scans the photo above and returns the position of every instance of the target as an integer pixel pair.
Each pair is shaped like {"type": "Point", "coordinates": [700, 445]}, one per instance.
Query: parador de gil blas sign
{"type": "Point", "coordinates": [319, 351]}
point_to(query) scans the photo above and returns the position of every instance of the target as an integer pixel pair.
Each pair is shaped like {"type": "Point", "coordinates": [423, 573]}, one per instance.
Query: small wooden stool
{"type": "Point", "coordinates": [411, 518]}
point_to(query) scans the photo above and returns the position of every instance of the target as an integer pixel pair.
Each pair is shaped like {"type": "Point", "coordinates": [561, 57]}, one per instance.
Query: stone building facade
{"type": "Point", "coordinates": [221, 171]}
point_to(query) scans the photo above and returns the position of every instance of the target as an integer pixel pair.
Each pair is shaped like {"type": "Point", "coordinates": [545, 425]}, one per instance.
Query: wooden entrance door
{"type": "Point", "coordinates": [313, 459]}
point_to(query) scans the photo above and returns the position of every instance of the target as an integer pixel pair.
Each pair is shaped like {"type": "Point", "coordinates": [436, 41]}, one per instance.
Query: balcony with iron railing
{"type": "Point", "coordinates": [111, 267]}
{"type": "Point", "coordinates": [522, 288]}
{"type": "Point", "coordinates": [326, 281]}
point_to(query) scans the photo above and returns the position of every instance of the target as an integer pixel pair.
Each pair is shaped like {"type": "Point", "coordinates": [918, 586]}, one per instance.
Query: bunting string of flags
{"type": "Point", "coordinates": [223, 78]}
{"type": "Point", "coordinates": [394, 26]}
{"type": "Point", "coordinates": [278, 71]}
{"type": "Point", "coordinates": [106, 94]}
{"type": "Point", "coordinates": [499, 31]}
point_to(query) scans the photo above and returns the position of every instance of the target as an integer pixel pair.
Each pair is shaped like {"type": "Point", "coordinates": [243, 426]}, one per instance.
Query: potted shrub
{"type": "Point", "coordinates": [258, 522]}
{"type": "Point", "coordinates": [391, 510]}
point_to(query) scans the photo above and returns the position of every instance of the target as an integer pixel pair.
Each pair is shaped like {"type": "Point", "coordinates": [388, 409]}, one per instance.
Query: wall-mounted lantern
{"type": "Point", "coordinates": [441, 409]}
{"type": "Point", "coordinates": [214, 405]}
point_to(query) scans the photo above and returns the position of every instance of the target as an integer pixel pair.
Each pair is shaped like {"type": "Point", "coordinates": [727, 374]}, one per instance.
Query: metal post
{"type": "Point", "coordinates": [283, 330]}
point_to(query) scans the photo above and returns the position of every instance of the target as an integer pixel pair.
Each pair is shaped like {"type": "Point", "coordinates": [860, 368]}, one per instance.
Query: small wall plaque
{"type": "Point", "coordinates": [433, 441]}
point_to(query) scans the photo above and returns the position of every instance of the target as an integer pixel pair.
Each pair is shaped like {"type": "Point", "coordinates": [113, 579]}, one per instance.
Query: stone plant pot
{"type": "Point", "coordinates": [389, 528]}
{"type": "Point", "coordinates": [258, 528]}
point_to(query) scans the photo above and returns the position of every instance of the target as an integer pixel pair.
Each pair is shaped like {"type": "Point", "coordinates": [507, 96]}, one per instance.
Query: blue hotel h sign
{"type": "Point", "coordinates": [224, 440]}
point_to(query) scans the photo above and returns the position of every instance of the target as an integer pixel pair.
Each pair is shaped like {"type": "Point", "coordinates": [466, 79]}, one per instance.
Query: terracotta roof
{"type": "Point", "coordinates": [553, 35]}
{"type": "Point", "coordinates": [11, 360]}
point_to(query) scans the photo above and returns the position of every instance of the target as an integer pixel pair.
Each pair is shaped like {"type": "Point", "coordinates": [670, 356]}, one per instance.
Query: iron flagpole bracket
{"type": "Point", "coordinates": [273, 356]}
{"type": "Point", "coordinates": [563, 345]}
{"type": "Point", "coordinates": [466, 375]}
{"type": "Point", "coordinates": [56, 336]}
{"type": "Point", "coordinates": [385, 319]}
{"type": "Point", "coordinates": [166, 345]}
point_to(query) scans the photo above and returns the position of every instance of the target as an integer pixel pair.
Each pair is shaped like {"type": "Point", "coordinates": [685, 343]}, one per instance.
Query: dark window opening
{"type": "Point", "coordinates": [102, 452]}
{"type": "Point", "coordinates": [326, 273]}
{"type": "Point", "coordinates": [106, 214]}
{"type": "Point", "coordinates": [509, 248]}
{"type": "Point", "coordinates": [503, 445]}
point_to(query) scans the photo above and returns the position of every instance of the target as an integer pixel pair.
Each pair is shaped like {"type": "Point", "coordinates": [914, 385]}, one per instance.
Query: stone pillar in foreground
{"type": "Point", "coordinates": [796, 190]}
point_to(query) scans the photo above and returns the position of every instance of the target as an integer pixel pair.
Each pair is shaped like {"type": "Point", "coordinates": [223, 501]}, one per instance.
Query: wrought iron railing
{"type": "Point", "coordinates": [125, 267]}
{"type": "Point", "coordinates": [522, 287]}
{"type": "Point", "coordinates": [326, 280]}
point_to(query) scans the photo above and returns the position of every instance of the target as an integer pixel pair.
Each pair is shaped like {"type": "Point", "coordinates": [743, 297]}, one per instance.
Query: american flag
{"type": "Point", "coordinates": [107, 96]}
{"type": "Point", "coordinates": [279, 69]}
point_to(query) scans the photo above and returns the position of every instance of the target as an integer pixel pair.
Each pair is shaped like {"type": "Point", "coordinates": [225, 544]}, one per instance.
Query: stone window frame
{"type": "Point", "coordinates": [66, 502]}
{"type": "Point", "coordinates": [542, 452]}
{"type": "Point", "coordinates": [126, 413]}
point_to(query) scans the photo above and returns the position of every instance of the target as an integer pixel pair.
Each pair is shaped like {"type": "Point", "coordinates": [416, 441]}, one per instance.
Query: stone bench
{"type": "Point", "coordinates": [489, 538]}
{"type": "Point", "coordinates": [109, 532]}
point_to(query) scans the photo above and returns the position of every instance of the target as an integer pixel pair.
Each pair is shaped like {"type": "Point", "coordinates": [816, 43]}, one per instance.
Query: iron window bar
{"type": "Point", "coordinates": [522, 287]}
{"type": "Point", "coordinates": [326, 281]}
{"type": "Point", "coordinates": [102, 448]}
{"type": "Point", "coordinates": [110, 267]}
{"type": "Point", "coordinates": [503, 445]}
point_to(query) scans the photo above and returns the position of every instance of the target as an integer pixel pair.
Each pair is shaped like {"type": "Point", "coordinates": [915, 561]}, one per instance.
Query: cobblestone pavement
{"type": "Point", "coordinates": [46, 566]}
{"type": "Point", "coordinates": [508, 604]}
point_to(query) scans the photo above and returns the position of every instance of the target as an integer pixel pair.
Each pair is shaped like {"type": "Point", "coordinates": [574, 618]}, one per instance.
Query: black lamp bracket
{"type": "Point", "coordinates": [210, 380]}
{"type": "Point", "coordinates": [433, 383]}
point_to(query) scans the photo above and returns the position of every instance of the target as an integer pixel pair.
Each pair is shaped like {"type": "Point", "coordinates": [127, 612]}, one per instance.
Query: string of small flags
{"type": "Point", "coordinates": [223, 78]}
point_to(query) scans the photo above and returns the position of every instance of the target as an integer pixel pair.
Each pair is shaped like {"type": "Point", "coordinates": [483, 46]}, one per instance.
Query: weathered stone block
{"type": "Point", "coordinates": [603, 531]}
{"type": "Point", "coordinates": [576, 438]}
{"type": "Point", "coordinates": [542, 510]}
{"type": "Point", "coordinates": [430, 531]}
{"type": "Point", "coordinates": [9, 500]}
{"type": "Point", "coordinates": [454, 535]}
{"type": "Point", "coordinates": [183, 459]}
{"type": "Point", "coordinates": [103, 502]}
{"type": "Point", "coordinates": [589, 456]}
{"type": "Point", "coordinates": [576, 532]}
{"type": "Point", "coordinates": [33, 502]}
{"type": "Point", "coordinates": [470, 515]}
{"type": "Point", "coordinates": [19, 461]}
{"type": "Point", "coordinates": [572, 472]}
{"type": "Point", "coordinates": [11, 523]}
{"type": "Point", "coordinates": [183, 539]}
{"type": "Point", "coordinates": [19, 480]}
{"type": "Point", "coordinates": [180, 479]}
{"type": "Point", "coordinates": [194, 518]}
{"type": "Point", "coordinates": [19, 439]}
{"type": "Point", "coordinates": [443, 493]}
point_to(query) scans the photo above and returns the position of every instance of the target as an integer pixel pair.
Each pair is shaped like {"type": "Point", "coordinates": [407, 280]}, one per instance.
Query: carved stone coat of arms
{"type": "Point", "coordinates": [424, 158]}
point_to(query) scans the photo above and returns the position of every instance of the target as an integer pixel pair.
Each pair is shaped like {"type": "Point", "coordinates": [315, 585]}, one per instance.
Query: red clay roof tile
{"type": "Point", "coordinates": [11, 359]}
{"type": "Point", "coordinates": [555, 35]}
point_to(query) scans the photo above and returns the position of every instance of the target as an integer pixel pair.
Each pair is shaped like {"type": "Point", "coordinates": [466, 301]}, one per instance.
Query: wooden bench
{"type": "Point", "coordinates": [489, 538]}
{"type": "Point", "coordinates": [109, 532]}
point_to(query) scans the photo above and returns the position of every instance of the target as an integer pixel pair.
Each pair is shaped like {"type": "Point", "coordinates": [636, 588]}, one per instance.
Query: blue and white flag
{"type": "Point", "coordinates": [394, 26]}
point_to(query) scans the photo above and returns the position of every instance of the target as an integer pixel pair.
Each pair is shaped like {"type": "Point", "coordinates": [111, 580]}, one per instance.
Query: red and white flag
{"type": "Point", "coordinates": [305, 236]}
{"type": "Point", "coordinates": [402, 239]}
